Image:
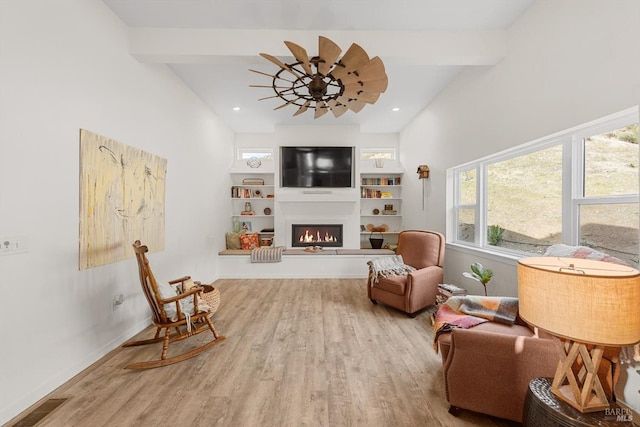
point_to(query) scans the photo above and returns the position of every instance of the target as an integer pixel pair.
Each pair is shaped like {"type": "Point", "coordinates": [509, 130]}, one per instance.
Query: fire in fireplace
{"type": "Point", "coordinates": [325, 235]}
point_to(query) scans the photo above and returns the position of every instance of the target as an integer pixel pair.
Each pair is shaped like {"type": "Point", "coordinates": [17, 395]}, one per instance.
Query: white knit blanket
{"type": "Point", "coordinates": [389, 266]}
{"type": "Point", "coordinates": [266, 254]}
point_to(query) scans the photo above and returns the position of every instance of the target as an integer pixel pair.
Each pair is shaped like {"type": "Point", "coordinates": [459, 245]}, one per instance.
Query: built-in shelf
{"type": "Point", "coordinates": [378, 189]}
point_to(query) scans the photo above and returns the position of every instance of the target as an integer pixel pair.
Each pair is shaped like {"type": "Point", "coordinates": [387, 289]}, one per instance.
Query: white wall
{"type": "Point", "coordinates": [568, 62]}
{"type": "Point", "coordinates": [64, 66]}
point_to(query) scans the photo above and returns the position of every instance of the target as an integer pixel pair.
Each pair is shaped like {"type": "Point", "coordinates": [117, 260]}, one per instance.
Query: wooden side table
{"type": "Point", "coordinates": [543, 409]}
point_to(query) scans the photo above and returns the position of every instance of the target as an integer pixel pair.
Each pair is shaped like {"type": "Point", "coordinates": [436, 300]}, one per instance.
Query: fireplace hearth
{"type": "Point", "coordinates": [324, 235]}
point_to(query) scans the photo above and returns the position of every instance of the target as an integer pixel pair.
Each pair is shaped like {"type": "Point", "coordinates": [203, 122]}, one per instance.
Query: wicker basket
{"type": "Point", "coordinates": [212, 296]}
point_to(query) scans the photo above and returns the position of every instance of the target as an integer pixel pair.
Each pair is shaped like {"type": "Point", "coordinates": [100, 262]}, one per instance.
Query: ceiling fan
{"type": "Point", "coordinates": [327, 82]}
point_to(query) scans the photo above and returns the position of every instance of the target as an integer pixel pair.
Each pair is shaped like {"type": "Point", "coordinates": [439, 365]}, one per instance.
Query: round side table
{"type": "Point", "coordinates": [543, 409]}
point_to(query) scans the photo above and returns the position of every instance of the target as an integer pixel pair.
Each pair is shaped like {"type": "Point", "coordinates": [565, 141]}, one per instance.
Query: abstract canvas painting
{"type": "Point", "coordinates": [122, 194]}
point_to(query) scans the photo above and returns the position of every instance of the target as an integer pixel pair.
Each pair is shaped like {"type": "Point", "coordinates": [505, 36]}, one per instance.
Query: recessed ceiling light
{"type": "Point", "coordinates": [236, 108]}
{"type": "Point", "coordinates": [395, 109]}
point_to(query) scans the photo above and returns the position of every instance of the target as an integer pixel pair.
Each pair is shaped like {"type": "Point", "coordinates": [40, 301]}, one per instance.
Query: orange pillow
{"type": "Point", "coordinates": [249, 241]}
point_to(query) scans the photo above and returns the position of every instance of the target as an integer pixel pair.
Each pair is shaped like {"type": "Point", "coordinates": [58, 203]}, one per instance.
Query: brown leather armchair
{"type": "Point", "coordinates": [487, 368]}
{"type": "Point", "coordinates": [423, 250]}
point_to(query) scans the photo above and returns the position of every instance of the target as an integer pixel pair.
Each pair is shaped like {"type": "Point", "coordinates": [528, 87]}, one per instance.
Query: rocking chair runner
{"type": "Point", "coordinates": [187, 322]}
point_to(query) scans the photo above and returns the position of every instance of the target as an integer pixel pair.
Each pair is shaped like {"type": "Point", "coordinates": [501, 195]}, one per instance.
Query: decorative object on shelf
{"type": "Point", "coordinates": [586, 305]}
{"type": "Point", "coordinates": [381, 228]}
{"type": "Point", "coordinates": [376, 211]}
{"type": "Point", "coordinates": [265, 241]}
{"type": "Point", "coordinates": [379, 163]}
{"type": "Point", "coordinates": [267, 211]}
{"type": "Point", "coordinates": [236, 225]}
{"type": "Point", "coordinates": [480, 274]}
{"type": "Point", "coordinates": [254, 162]}
{"type": "Point", "coordinates": [246, 226]}
{"type": "Point", "coordinates": [388, 210]}
{"type": "Point", "coordinates": [257, 193]}
{"type": "Point", "coordinates": [247, 207]}
{"type": "Point", "coordinates": [253, 181]}
{"type": "Point", "coordinates": [270, 196]}
{"type": "Point", "coordinates": [376, 242]}
{"type": "Point", "coordinates": [325, 82]}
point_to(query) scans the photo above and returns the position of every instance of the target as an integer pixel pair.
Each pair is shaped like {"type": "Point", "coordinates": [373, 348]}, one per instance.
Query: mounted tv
{"type": "Point", "coordinates": [316, 167]}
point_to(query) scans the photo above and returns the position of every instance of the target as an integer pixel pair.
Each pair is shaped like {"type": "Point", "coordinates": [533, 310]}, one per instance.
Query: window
{"type": "Point", "coordinates": [578, 187]}
{"type": "Point", "coordinates": [258, 153]}
{"type": "Point", "coordinates": [466, 206]}
{"type": "Point", "coordinates": [524, 200]}
{"type": "Point", "coordinates": [378, 153]}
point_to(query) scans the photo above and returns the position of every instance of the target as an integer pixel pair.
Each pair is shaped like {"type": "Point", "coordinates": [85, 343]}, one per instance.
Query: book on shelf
{"type": "Point", "coordinates": [242, 193]}
{"type": "Point", "coordinates": [393, 180]}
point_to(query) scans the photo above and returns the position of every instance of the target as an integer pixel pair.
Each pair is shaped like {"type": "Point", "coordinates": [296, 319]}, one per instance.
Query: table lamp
{"type": "Point", "coordinates": [586, 305]}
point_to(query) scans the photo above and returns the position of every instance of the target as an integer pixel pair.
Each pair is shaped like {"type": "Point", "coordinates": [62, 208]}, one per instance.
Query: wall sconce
{"type": "Point", "coordinates": [423, 171]}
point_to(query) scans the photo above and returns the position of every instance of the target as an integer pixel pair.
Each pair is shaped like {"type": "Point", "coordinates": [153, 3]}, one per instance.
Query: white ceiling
{"type": "Point", "coordinates": [212, 44]}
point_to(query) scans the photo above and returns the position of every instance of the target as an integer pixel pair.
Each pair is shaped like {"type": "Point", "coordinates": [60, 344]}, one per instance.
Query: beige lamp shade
{"type": "Point", "coordinates": [594, 302]}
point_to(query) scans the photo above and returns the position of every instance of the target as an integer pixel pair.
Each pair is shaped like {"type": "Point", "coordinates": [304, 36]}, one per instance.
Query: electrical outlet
{"type": "Point", "coordinates": [118, 300]}
{"type": "Point", "coordinates": [11, 245]}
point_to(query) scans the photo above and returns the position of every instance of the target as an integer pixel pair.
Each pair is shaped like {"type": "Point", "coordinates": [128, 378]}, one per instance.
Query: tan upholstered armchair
{"type": "Point", "coordinates": [423, 250]}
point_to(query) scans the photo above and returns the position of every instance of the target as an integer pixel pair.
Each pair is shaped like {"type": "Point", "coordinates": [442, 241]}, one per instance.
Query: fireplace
{"type": "Point", "coordinates": [325, 235]}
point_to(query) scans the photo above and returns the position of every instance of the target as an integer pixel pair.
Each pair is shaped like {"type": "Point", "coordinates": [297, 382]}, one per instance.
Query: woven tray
{"type": "Point", "coordinates": [212, 296]}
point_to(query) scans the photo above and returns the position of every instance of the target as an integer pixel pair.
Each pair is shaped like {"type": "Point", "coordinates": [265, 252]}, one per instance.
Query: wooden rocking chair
{"type": "Point", "coordinates": [186, 323]}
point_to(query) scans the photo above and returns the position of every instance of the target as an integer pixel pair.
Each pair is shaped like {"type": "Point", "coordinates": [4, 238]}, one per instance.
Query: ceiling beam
{"type": "Point", "coordinates": [205, 46]}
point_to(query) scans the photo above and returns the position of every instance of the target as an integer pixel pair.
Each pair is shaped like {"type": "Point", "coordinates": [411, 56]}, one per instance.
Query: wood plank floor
{"type": "Point", "coordinates": [311, 352]}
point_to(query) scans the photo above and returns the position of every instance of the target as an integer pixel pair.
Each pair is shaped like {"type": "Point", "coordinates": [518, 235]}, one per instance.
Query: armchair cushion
{"type": "Point", "coordinates": [394, 284]}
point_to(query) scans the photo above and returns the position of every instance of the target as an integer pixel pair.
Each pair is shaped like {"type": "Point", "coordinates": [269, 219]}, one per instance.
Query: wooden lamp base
{"type": "Point", "coordinates": [583, 390]}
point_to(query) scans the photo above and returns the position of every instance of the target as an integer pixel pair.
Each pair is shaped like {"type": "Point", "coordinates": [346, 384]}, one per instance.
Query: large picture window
{"type": "Point", "coordinates": [578, 187]}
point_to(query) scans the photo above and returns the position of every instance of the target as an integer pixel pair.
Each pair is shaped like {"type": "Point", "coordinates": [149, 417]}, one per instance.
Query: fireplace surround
{"type": "Point", "coordinates": [323, 235]}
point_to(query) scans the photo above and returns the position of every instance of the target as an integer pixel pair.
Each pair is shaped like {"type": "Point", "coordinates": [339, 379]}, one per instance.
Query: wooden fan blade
{"type": "Point", "coordinates": [278, 63]}
{"type": "Point", "coordinates": [268, 97]}
{"type": "Point", "coordinates": [328, 52]}
{"type": "Point", "coordinates": [270, 87]}
{"type": "Point", "coordinates": [354, 58]}
{"type": "Point", "coordinates": [368, 97]}
{"type": "Point", "coordinates": [285, 104]}
{"type": "Point", "coordinates": [336, 108]}
{"type": "Point", "coordinates": [302, 109]}
{"type": "Point", "coordinates": [372, 70]}
{"type": "Point", "coordinates": [321, 109]}
{"type": "Point", "coordinates": [351, 103]}
{"type": "Point", "coordinates": [379, 86]}
{"type": "Point", "coordinates": [356, 106]}
{"type": "Point", "coordinates": [260, 72]}
{"type": "Point", "coordinates": [301, 55]}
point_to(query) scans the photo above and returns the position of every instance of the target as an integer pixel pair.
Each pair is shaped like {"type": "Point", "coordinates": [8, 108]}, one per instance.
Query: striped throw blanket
{"type": "Point", "coordinates": [388, 266]}
{"type": "Point", "coordinates": [471, 310]}
{"type": "Point", "coordinates": [266, 254]}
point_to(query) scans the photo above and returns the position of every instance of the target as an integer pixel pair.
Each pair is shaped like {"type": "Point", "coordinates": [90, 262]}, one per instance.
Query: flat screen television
{"type": "Point", "coordinates": [316, 167]}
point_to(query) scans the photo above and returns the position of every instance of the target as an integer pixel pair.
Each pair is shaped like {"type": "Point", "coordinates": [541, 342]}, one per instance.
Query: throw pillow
{"type": "Point", "coordinates": [249, 241]}
{"type": "Point", "coordinates": [168, 291]}
{"type": "Point", "coordinates": [233, 241]}
{"type": "Point", "coordinates": [585, 252]}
